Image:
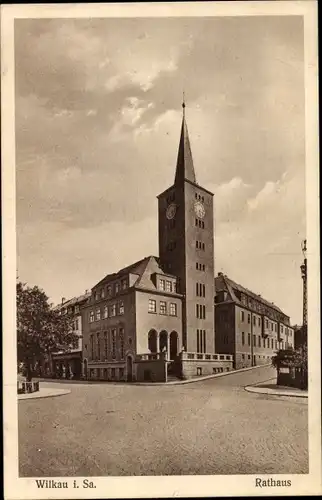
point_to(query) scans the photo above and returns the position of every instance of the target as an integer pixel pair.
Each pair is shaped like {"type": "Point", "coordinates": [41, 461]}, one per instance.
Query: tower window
{"type": "Point", "coordinates": [243, 338]}
{"type": "Point", "coordinates": [249, 339]}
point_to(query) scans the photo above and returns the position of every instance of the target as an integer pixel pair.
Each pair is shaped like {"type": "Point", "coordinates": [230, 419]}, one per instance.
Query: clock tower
{"type": "Point", "coordinates": [186, 248]}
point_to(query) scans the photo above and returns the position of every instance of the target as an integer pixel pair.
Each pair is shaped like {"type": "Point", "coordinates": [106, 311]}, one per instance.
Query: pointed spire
{"type": "Point", "coordinates": [185, 168]}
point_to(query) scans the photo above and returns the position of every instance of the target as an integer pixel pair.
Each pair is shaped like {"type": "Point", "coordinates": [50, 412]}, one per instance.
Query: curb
{"type": "Point", "coordinates": [154, 384]}
{"type": "Point", "coordinates": [273, 392]}
{"type": "Point", "coordinates": [38, 395]}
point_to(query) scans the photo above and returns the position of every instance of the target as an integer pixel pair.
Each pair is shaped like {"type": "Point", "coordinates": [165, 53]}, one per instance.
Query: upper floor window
{"type": "Point", "coordinates": [113, 310]}
{"type": "Point", "coordinates": [243, 338]}
{"type": "Point", "coordinates": [77, 308]}
{"type": "Point", "coordinates": [121, 307]}
{"type": "Point", "coordinates": [249, 318]}
{"type": "Point", "coordinates": [121, 337]}
{"type": "Point", "coordinates": [248, 339]}
{"type": "Point", "coordinates": [169, 286]}
{"type": "Point", "coordinates": [98, 346]}
{"type": "Point", "coordinates": [76, 324]}
{"type": "Point", "coordinates": [91, 316]}
{"type": "Point", "coordinates": [259, 322]}
{"type": "Point", "coordinates": [109, 290]}
{"type": "Point", "coordinates": [152, 306]}
{"type": "Point", "coordinates": [92, 346]}
{"type": "Point", "coordinates": [266, 323]}
{"type": "Point", "coordinates": [163, 307]}
{"type": "Point", "coordinates": [173, 309]}
{"type": "Point", "coordinates": [105, 312]}
{"type": "Point", "coordinates": [254, 320]}
{"type": "Point", "coordinates": [242, 315]}
{"type": "Point", "coordinates": [162, 285]}
{"type": "Point", "coordinates": [124, 284]}
{"type": "Point", "coordinates": [98, 314]}
{"type": "Point", "coordinates": [282, 328]}
{"type": "Point", "coordinates": [113, 334]}
{"type": "Point", "coordinates": [105, 345]}
{"type": "Point", "coordinates": [102, 293]}
{"type": "Point", "coordinates": [117, 287]}
{"type": "Point", "coordinates": [96, 296]}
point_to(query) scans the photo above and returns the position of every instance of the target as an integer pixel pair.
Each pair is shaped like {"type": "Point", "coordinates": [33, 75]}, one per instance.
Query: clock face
{"type": "Point", "coordinates": [171, 211]}
{"type": "Point", "coordinates": [200, 210]}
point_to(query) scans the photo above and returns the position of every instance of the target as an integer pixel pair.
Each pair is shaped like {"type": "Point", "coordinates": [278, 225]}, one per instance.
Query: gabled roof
{"type": "Point", "coordinates": [222, 282]}
{"type": "Point", "coordinates": [135, 268]}
{"type": "Point", "coordinates": [144, 269]}
{"type": "Point", "coordinates": [185, 168]}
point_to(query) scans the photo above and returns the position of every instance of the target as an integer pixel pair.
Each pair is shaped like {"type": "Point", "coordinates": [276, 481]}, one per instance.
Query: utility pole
{"type": "Point", "coordinates": [304, 278]}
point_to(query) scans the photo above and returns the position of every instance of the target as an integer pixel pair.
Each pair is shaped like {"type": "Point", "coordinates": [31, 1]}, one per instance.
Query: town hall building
{"type": "Point", "coordinates": [155, 319]}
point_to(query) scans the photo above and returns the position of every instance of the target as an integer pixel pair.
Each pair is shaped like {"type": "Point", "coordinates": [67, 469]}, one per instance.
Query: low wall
{"type": "Point", "coordinates": [246, 362]}
{"type": "Point", "coordinates": [198, 368]}
{"type": "Point", "coordinates": [151, 370]}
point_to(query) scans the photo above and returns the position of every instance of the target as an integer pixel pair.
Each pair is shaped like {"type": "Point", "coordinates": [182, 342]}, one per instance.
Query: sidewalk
{"type": "Point", "coordinates": [269, 387]}
{"type": "Point", "coordinates": [44, 393]}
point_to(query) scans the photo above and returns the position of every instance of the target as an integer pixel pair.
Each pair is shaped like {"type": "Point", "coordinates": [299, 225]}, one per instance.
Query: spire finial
{"type": "Point", "coordinates": [183, 102]}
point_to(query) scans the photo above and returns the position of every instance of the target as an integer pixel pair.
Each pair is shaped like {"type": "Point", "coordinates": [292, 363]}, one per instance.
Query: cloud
{"type": "Point", "coordinates": [98, 114]}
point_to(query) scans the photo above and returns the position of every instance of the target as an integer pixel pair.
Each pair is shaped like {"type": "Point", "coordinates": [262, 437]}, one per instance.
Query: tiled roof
{"type": "Point", "coordinates": [144, 269]}
{"type": "Point", "coordinates": [222, 282]}
{"type": "Point", "coordinates": [74, 301]}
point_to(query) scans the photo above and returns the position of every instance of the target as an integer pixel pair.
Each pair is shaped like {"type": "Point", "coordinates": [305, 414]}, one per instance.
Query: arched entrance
{"type": "Point", "coordinates": [163, 341]}
{"type": "Point", "coordinates": [129, 368]}
{"type": "Point", "coordinates": [153, 341]}
{"type": "Point", "coordinates": [173, 345]}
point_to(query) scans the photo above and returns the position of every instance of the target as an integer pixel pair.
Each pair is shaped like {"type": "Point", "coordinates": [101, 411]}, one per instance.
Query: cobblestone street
{"type": "Point", "coordinates": [209, 427]}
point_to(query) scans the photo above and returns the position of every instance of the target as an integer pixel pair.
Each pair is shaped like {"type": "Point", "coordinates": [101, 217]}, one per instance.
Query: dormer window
{"type": "Point", "coordinates": [168, 286]}
{"type": "Point", "coordinates": [162, 285]}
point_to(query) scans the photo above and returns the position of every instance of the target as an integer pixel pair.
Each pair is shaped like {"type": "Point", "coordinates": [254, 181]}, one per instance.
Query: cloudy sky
{"type": "Point", "coordinates": [98, 115]}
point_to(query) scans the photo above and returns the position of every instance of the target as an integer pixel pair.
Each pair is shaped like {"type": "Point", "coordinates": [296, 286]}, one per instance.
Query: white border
{"type": "Point", "coordinates": [188, 486]}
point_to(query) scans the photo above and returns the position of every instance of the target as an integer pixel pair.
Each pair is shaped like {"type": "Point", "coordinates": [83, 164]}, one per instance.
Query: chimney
{"type": "Point", "coordinates": [63, 300]}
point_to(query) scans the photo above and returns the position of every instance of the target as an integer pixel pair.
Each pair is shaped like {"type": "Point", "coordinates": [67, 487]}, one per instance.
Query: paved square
{"type": "Point", "coordinates": [209, 427]}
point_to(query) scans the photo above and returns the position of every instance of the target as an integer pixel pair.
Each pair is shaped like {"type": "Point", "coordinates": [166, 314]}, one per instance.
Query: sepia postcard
{"type": "Point", "coordinates": [161, 276]}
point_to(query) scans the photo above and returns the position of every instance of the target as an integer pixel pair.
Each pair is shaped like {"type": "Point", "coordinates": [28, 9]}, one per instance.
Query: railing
{"type": "Point", "coordinates": [150, 356]}
{"type": "Point", "coordinates": [206, 356]}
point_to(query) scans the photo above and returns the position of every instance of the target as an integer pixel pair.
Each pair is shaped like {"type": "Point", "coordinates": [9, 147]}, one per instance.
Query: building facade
{"type": "Point", "coordinates": [248, 326]}
{"type": "Point", "coordinates": [156, 317]}
{"type": "Point", "coordinates": [70, 364]}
